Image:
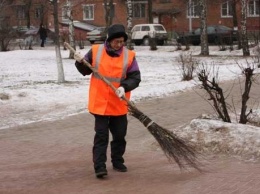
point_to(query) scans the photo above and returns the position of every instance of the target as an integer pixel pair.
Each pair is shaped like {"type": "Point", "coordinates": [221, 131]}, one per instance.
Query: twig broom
{"type": "Point", "coordinates": [175, 148]}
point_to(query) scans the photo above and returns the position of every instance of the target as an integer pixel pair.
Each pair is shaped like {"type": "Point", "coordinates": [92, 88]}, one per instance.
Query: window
{"type": "Point", "coordinates": [136, 28]}
{"type": "Point", "coordinates": [211, 30]}
{"type": "Point", "coordinates": [65, 10]}
{"type": "Point", "coordinates": [145, 28]}
{"type": "Point", "coordinates": [38, 13]}
{"type": "Point", "coordinates": [159, 28]}
{"type": "Point", "coordinates": [197, 31]}
{"type": "Point", "coordinates": [226, 9]}
{"type": "Point", "coordinates": [20, 12]}
{"type": "Point", "coordinates": [88, 12]}
{"type": "Point", "coordinates": [139, 9]}
{"type": "Point", "coordinates": [253, 8]}
{"type": "Point", "coordinates": [193, 9]}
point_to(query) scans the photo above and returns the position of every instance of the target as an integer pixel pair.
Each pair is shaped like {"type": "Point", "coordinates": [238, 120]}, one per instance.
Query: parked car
{"type": "Point", "coordinates": [217, 34]}
{"type": "Point", "coordinates": [142, 32]}
{"type": "Point", "coordinates": [98, 34]}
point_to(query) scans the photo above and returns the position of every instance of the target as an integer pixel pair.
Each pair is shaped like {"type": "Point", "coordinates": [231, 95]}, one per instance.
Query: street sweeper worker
{"type": "Point", "coordinates": [119, 66]}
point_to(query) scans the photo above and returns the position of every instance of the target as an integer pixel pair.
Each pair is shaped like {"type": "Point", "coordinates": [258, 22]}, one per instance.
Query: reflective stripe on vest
{"type": "Point", "coordinates": [125, 64]}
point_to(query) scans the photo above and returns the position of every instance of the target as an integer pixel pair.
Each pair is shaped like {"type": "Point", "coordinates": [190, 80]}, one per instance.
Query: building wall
{"type": "Point", "coordinates": [99, 15]}
{"type": "Point", "coordinates": [181, 22]}
{"type": "Point", "coordinates": [99, 11]}
{"type": "Point", "coordinates": [177, 22]}
{"type": "Point", "coordinates": [11, 11]}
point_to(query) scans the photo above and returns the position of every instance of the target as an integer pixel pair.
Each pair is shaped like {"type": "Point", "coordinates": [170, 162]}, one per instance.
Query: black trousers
{"type": "Point", "coordinates": [42, 42]}
{"type": "Point", "coordinates": [117, 125]}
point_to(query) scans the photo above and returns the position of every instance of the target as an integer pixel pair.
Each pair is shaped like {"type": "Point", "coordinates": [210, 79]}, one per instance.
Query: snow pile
{"type": "Point", "coordinates": [224, 138]}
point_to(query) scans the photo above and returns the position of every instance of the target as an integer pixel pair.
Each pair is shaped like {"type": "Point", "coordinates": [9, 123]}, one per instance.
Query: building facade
{"type": "Point", "coordinates": [175, 15]}
{"type": "Point", "coordinates": [180, 16]}
{"type": "Point", "coordinates": [21, 13]}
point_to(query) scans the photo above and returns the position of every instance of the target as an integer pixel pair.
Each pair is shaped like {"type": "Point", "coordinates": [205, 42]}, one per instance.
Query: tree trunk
{"type": "Point", "coordinates": [150, 14]}
{"type": "Point", "coordinates": [71, 37]}
{"type": "Point", "coordinates": [42, 13]}
{"type": "Point", "coordinates": [244, 38]}
{"type": "Point", "coordinates": [249, 73]}
{"type": "Point", "coordinates": [203, 24]}
{"type": "Point", "coordinates": [61, 77]}
{"type": "Point", "coordinates": [235, 21]}
{"type": "Point", "coordinates": [28, 16]}
{"type": "Point", "coordinates": [109, 12]}
{"type": "Point", "coordinates": [71, 29]}
{"type": "Point", "coordinates": [129, 24]}
{"type": "Point", "coordinates": [216, 94]}
{"type": "Point", "coordinates": [234, 13]}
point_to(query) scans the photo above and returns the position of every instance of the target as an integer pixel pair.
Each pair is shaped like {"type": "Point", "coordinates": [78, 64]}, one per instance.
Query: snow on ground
{"type": "Point", "coordinates": [225, 138]}
{"type": "Point", "coordinates": [29, 91]}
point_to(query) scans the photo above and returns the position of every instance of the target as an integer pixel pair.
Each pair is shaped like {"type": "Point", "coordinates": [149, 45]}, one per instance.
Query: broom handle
{"type": "Point", "coordinates": [67, 45]}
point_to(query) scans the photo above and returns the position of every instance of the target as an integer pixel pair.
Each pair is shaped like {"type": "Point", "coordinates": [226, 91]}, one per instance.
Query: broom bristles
{"type": "Point", "coordinates": [174, 148]}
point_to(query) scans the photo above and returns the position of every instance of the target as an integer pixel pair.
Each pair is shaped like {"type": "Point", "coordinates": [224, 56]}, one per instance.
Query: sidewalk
{"type": "Point", "coordinates": [55, 157]}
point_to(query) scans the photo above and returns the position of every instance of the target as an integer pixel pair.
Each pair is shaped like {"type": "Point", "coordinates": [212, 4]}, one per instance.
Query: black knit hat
{"type": "Point", "coordinates": [116, 31]}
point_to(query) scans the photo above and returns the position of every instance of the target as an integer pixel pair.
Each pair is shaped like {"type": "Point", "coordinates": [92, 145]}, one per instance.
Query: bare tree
{"type": "Point", "coordinates": [150, 8]}
{"type": "Point", "coordinates": [216, 94]}
{"type": "Point", "coordinates": [7, 33]}
{"type": "Point", "coordinates": [69, 15]}
{"type": "Point", "coordinates": [249, 73]}
{"type": "Point", "coordinates": [44, 9]}
{"type": "Point", "coordinates": [244, 38]}
{"type": "Point", "coordinates": [61, 77]}
{"type": "Point", "coordinates": [28, 4]}
{"type": "Point", "coordinates": [234, 14]}
{"type": "Point", "coordinates": [201, 10]}
{"type": "Point", "coordinates": [203, 25]}
{"type": "Point", "coordinates": [217, 97]}
{"type": "Point", "coordinates": [109, 12]}
{"type": "Point", "coordinates": [187, 65]}
{"type": "Point", "coordinates": [235, 20]}
{"type": "Point", "coordinates": [28, 11]}
{"type": "Point", "coordinates": [129, 24]}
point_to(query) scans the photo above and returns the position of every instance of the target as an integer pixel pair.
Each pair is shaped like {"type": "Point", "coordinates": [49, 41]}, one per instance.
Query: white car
{"type": "Point", "coordinates": [142, 32]}
{"type": "Point", "coordinates": [98, 34]}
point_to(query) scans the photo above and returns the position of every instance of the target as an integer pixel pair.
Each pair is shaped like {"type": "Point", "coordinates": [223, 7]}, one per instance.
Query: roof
{"type": "Point", "coordinates": [80, 25]}
{"type": "Point", "coordinates": [165, 8]}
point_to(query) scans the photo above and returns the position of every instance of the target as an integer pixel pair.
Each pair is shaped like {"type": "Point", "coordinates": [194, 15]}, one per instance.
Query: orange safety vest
{"type": "Point", "coordinates": [102, 99]}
